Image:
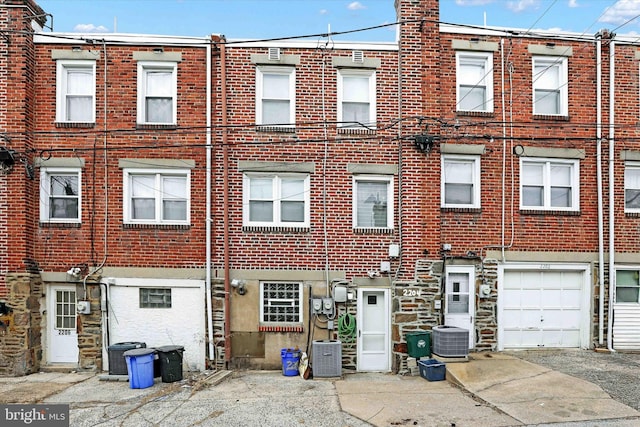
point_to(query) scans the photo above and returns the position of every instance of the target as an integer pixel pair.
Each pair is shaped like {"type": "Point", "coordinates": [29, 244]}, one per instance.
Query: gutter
{"type": "Point", "coordinates": [601, 264]}
{"type": "Point", "coordinates": [208, 209]}
{"type": "Point", "coordinates": [612, 251]}
{"type": "Point", "coordinates": [225, 198]}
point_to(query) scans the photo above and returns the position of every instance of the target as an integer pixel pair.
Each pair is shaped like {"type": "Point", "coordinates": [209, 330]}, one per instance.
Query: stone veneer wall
{"type": "Point", "coordinates": [90, 331]}
{"type": "Point", "coordinates": [21, 343]}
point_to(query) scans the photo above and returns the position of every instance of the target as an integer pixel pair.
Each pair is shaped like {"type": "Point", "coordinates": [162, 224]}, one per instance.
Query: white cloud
{"type": "Point", "coordinates": [324, 12]}
{"type": "Point", "coordinates": [522, 5]}
{"type": "Point", "coordinates": [90, 28]}
{"type": "Point", "coordinates": [621, 12]}
{"type": "Point", "coordinates": [573, 3]}
{"type": "Point", "coordinates": [356, 5]}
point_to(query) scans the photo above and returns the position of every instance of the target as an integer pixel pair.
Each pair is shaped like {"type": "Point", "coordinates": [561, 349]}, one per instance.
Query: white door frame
{"type": "Point", "coordinates": [469, 324]}
{"type": "Point", "coordinates": [66, 339]}
{"type": "Point", "coordinates": [361, 303]}
{"type": "Point", "coordinates": [585, 301]}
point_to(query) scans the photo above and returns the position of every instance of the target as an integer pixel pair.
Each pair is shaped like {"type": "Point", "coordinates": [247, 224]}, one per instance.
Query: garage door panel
{"type": "Point", "coordinates": [561, 319]}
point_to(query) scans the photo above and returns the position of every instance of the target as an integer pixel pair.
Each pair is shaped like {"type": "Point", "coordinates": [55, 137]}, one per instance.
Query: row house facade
{"type": "Point", "coordinates": [240, 197]}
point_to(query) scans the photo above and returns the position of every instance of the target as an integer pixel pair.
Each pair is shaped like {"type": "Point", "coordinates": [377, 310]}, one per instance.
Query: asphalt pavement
{"type": "Point", "coordinates": [490, 389]}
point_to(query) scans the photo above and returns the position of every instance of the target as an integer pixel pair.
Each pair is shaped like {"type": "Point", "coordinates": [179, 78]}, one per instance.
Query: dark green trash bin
{"type": "Point", "coordinates": [170, 357]}
{"type": "Point", "coordinates": [419, 344]}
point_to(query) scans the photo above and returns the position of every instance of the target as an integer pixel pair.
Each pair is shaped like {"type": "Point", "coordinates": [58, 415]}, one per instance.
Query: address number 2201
{"type": "Point", "coordinates": [411, 292]}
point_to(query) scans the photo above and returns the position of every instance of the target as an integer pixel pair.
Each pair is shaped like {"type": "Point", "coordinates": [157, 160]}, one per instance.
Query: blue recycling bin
{"type": "Point", "coordinates": [140, 367]}
{"type": "Point", "coordinates": [290, 360]}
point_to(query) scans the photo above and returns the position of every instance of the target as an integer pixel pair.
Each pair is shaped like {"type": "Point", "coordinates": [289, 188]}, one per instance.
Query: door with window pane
{"type": "Point", "coordinates": [61, 320]}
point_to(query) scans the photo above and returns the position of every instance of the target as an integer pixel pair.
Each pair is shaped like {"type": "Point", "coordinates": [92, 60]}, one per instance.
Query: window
{"type": "Point", "coordinates": [356, 98]}
{"type": "Point", "coordinates": [372, 201]}
{"type": "Point", "coordinates": [460, 181]}
{"type": "Point", "coordinates": [628, 286]}
{"type": "Point", "coordinates": [153, 197]}
{"type": "Point", "coordinates": [75, 89]}
{"type": "Point", "coordinates": [474, 74]}
{"type": "Point", "coordinates": [60, 195]}
{"type": "Point", "coordinates": [276, 96]}
{"type": "Point", "coordinates": [155, 298]}
{"type": "Point", "coordinates": [632, 187]}
{"type": "Point", "coordinates": [281, 302]}
{"type": "Point", "coordinates": [157, 92]}
{"type": "Point", "coordinates": [550, 95]}
{"type": "Point", "coordinates": [550, 184]}
{"type": "Point", "coordinates": [276, 200]}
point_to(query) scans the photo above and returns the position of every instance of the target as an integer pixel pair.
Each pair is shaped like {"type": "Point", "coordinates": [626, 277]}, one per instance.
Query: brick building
{"type": "Point", "coordinates": [238, 197]}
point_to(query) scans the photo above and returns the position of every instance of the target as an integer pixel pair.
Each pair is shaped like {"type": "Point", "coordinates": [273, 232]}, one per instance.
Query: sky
{"type": "Point", "coordinates": [265, 19]}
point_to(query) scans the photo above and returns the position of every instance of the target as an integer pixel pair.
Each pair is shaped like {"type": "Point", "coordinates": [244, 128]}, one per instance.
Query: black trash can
{"type": "Point", "coordinates": [170, 357]}
{"type": "Point", "coordinates": [117, 361]}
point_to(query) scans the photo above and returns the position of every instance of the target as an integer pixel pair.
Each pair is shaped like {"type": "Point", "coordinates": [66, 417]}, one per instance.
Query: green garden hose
{"type": "Point", "coordinates": [346, 327]}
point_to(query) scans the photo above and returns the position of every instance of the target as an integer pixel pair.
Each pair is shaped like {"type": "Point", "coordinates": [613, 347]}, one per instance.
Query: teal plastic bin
{"type": "Point", "coordinates": [419, 344]}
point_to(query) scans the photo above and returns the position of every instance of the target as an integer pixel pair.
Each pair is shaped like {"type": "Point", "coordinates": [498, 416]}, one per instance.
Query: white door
{"type": "Point", "coordinates": [373, 322]}
{"type": "Point", "coordinates": [459, 307]}
{"type": "Point", "coordinates": [61, 325]}
{"type": "Point", "coordinates": [543, 309]}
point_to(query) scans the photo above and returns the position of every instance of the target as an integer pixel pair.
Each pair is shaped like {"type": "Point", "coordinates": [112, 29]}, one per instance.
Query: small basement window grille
{"type": "Point", "coordinates": [274, 53]}
{"type": "Point", "coordinates": [281, 302]}
{"type": "Point", "coordinates": [357, 56]}
{"type": "Point", "coordinates": [155, 298]}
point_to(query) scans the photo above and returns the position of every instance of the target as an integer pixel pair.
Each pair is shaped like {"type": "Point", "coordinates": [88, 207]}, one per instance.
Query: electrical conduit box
{"type": "Point", "coordinates": [327, 306]}
{"type": "Point", "coordinates": [316, 306]}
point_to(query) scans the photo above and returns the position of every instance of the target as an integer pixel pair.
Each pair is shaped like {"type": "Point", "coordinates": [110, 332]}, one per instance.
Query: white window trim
{"type": "Point", "coordinates": [476, 181]}
{"type": "Point", "coordinates": [632, 165]}
{"type": "Point", "coordinates": [347, 72]}
{"type": "Point", "coordinates": [61, 70]}
{"type": "Point", "coordinates": [390, 206]}
{"type": "Point", "coordinates": [562, 62]}
{"type": "Point", "coordinates": [246, 179]}
{"type": "Point", "coordinates": [126, 195]}
{"type": "Point", "coordinates": [575, 187]}
{"type": "Point", "coordinates": [300, 303]}
{"type": "Point", "coordinates": [45, 179]}
{"type": "Point", "coordinates": [288, 71]}
{"type": "Point", "coordinates": [486, 82]}
{"type": "Point", "coordinates": [143, 68]}
{"type": "Point", "coordinates": [615, 284]}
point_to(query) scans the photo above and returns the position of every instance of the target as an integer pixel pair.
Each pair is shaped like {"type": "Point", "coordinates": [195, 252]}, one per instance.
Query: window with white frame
{"type": "Point", "coordinates": [156, 197]}
{"type": "Point", "coordinates": [550, 86]}
{"type": "Point", "coordinates": [281, 302]}
{"type": "Point", "coordinates": [75, 91]}
{"type": "Point", "coordinates": [276, 199]}
{"type": "Point", "coordinates": [549, 184]}
{"type": "Point", "coordinates": [628, 286]}
{"type": "Point", "coordinates": [60, 199]}
{"type": "Point", "coordinates": [372, 201]}
{"type": "Point", "coordinates": [157, 92]}
{"type": "Point", "coordinates": [632, 187]}
{"type": "Point", "coordinates": [275, 96]}
{"type": "Point", "coordinates": [460, 183]}
{"type": "Point", "coordinates": [356, 98]}
{"type": "Point", "coordinates": [474, 73]}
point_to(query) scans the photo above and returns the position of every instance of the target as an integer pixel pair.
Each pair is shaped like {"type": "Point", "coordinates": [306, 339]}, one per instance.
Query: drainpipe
{"type": "Point", "coordinates": [225, 197]}
{"type": "Point", "coordinates": [612, 257]}
{"type": "Point", "coordinates": [599, 185]}
{"type": "Point", "coordinates": [208, 209]}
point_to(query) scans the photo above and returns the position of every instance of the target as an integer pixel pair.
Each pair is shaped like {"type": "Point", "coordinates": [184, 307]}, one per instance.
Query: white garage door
{"type": "Point", "coordinates": [168, 312]}
{"type": "Point", "coordinates": [542, 308]}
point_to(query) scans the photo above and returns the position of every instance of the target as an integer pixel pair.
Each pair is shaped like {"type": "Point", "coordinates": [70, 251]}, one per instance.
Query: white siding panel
{"type": "Point", "coordinates": [626, 326]}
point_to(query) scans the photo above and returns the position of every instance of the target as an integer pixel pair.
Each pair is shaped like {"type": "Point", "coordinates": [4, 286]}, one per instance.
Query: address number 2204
{"type": "Point", "coordinates": [411, 292]}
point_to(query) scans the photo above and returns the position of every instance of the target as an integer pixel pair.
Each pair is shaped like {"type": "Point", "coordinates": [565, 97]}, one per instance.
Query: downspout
{"type": "Point", "coordinates": [208, 209]}
{"type": "Point", "coordinates": [225, 198]}
{"type": "Point", "coordinates": [612, 260]}
{"type": "Point", "coordinates": [599, 189]}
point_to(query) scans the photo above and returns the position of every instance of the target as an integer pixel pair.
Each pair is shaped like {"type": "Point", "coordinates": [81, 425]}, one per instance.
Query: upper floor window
{"type": "Point", "coordinates": [281, 200]}
{"type": "Point", "coordinates": [474, 74]}
{"type": "Point", "coordinates": [157, 92]}
{"type": "Point", "coordinates": [372, 201]}
{"type": "Point", "coordinates": [632, 187]}
{"type": "Point", "coordinates": [550, 81]}
{"type": "Point", "coordinates": [60, 195]}
{"type": "Point", "coordinates": [356, 98]}
{"type": "Point", "coordinates": [460, 181]}
{"type": "Point", "coordinates": [75, 91]}
{"type": "Point", "coordinates": [275, 96]}
{"type": "Point", "coordinates": [156, 197]}
{"type": "Point", "coordinates": [550, 184]}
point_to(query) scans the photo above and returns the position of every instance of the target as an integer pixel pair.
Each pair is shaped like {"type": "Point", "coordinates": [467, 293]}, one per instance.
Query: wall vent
{"type": "Point", "coordinates": [357, 56]}
{"type": "Point", "coordinates": [274, 53]}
